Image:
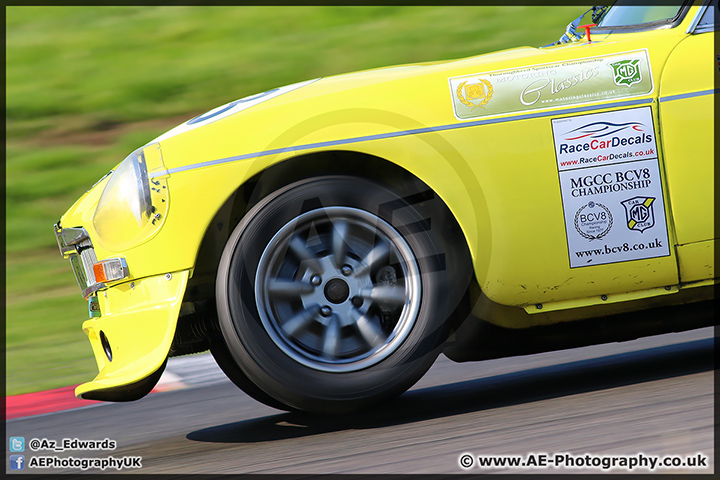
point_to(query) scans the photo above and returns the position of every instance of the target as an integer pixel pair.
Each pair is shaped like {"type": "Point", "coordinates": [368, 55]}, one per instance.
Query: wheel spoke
{"type": "Point", "coordinates": [297, 246]}
{"type": "Point", "coordinates": [338, 289]}
{"type": "Point", "coordinates": [288, 289]}
{"type": "Point", "coordinates": [369, 330]}
{"type": "Point", "coordinates": [300, 321]}
{"type": "Point", "coordinates": [339, 247]}
{"type": "Point", "coordinates": [331, 338]}
{"type": "Point", "coordinates": [378, 254]}
{"type": "Point", "coordinates": [387, 296]}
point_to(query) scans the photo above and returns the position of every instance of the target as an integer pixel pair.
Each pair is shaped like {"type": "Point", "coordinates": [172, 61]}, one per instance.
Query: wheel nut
{"type": "Point", "coordinates": [316, 280]}
{"type": "Point", "coordinates": [357, 301]}
{"type": "Point", "coordinates": [325, 311]}
{"type": "Point", "coordinates": [346, 270]}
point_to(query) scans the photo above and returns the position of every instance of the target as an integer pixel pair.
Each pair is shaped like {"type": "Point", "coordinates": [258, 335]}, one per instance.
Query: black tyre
{"type": "Point", "coordinates": [332, 295]}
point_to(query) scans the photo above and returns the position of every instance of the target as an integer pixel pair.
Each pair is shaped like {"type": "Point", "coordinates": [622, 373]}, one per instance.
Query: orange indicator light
{"type": "Point", "coordinates": [110, 270]}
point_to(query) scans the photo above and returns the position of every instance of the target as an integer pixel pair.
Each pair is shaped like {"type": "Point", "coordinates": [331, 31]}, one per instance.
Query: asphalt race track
{"type": "Point", "coordinates": [653, 396]}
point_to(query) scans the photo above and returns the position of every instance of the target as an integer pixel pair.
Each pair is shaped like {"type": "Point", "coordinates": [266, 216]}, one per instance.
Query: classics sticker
{"type": "Point", "coordinates": [610, 186]}
{"type": "Point", "coordinates": [567, 83]}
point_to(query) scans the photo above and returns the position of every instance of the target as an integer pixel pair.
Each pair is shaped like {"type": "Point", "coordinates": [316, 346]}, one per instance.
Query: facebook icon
{"type": "Point", "coordinates": [17, 462]}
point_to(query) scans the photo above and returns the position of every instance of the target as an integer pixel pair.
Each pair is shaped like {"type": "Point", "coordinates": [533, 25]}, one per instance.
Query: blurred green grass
{"type": "Point", "coordinates": [87, 85]}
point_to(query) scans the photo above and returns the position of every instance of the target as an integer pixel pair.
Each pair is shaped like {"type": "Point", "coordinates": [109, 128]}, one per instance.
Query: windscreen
{"type": "Point", "coordinates": [626, 13]}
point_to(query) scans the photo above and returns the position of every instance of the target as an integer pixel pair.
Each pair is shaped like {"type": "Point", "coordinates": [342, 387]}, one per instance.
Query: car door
{"type": "Point", "coordinates": [686, 108]}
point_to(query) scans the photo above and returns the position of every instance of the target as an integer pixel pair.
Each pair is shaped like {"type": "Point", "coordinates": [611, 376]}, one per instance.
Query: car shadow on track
{"type": "Point", "coordinates": [481, 394]}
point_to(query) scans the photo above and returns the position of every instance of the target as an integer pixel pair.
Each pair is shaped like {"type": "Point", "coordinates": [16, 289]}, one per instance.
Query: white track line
{"type": "Point", "coordinates": [191, 371]}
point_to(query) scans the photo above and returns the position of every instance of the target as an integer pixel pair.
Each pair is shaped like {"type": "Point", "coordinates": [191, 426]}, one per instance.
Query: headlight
{"type": "Point", "coordinates": [125, 209]}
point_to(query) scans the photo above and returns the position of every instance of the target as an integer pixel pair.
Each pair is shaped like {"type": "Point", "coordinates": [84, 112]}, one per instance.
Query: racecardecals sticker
{"type": "Point", "coordinates": [566, 83]}
{"type": "Point", "coordinates": [610, 186]}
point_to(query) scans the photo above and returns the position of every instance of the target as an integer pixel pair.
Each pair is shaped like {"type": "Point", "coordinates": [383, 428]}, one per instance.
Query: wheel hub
{"type": "Point", "coordinates": [337, 291]}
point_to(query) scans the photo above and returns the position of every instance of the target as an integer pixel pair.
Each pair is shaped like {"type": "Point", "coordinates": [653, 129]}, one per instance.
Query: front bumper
{"type": "Point", "coordinates": [132, 338]}
{"type": "Point", "coordinates": [132, 323]}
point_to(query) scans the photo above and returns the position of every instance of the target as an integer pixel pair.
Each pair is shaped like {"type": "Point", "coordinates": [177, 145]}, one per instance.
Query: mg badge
{"type": "Point", "coordinates": [627, 72]}
{"type": "Point", "coordinates": [639, 213]}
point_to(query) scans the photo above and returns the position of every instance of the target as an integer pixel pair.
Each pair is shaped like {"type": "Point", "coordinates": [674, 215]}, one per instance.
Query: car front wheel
{"type": "Point", "coordinates": [332, 295]}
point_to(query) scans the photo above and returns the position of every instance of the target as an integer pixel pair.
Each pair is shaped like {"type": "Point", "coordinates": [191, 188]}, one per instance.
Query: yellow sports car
{"type": "Point", "coordinates": [327, 240]}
